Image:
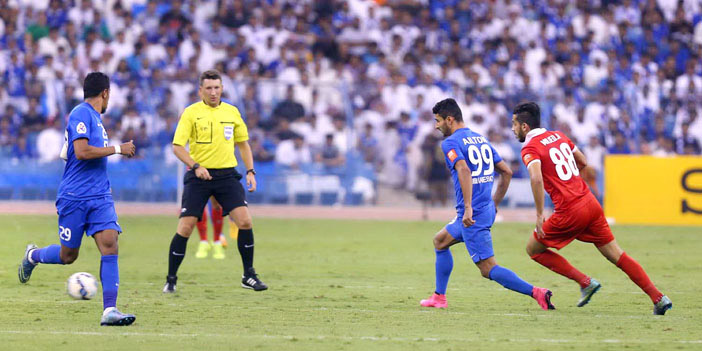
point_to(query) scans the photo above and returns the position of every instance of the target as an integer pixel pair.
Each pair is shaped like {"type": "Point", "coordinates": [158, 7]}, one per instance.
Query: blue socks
{"type": "Point", "coordinates": [510, 280]}
{"type": "Point", "coordinates": [47, 255]}
{"type": "Point", "coordinates": [444, 266]}
{"type": "Point", "coordinates": [109, 276]}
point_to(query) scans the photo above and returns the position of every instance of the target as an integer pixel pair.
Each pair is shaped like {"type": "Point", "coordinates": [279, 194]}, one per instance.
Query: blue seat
{"type": "Point", "coordinates": [6, 193]}
{"type": "Point", "coordinates": [353, 199]}
{"type": "Point", "coordinates": [328, 198]}
{"type": "Point", "coordinates": [304, 198]}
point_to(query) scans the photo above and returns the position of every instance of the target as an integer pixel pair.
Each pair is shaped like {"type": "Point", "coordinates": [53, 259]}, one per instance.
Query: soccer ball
{"type": "Point", "coordinates": [81, 286]}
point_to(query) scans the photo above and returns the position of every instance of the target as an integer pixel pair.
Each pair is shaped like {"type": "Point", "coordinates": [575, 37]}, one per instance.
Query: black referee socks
{"type": "Point", "coordinates": [176, 253]}
{"type": "Point", "coordinates": [245, 242]}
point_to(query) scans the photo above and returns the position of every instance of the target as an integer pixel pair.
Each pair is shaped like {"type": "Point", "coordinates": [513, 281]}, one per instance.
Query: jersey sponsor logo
{"type": "Point", "coordinates": [228, 132]}
{"type": "Point", "coordinates": [483, 179]}
{"type": "Point", "coordinates": [528, 158]}
{"type": "Point", "coordinates": [81, 128]}
{"type": "Point", "coordinates": [452, 155]}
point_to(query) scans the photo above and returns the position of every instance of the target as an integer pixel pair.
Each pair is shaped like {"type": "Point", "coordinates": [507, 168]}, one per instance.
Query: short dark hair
{"type": "Point", "coordinates": [448, 107]}
{"type": "Point", "coordinates": [529, 113]}
{"type": "Point", "coordinates": [94, 84]}
{"type": "Point", "coordinates": [210, 74]}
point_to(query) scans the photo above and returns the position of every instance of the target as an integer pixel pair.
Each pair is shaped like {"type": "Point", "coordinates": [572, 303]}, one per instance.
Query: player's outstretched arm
{"type": "Point", "coordinates": [537, 189]}
{"type": "Point", "coordinates": [466, 181]}
{"type": "Point", "coordinates": [85, 151]}
{"type": "Point", "coordinates": [580, 159]}
{"type": "Point", "coordinates": [247, 157]}
{"type": "Point", "coordinates": [503, 183]}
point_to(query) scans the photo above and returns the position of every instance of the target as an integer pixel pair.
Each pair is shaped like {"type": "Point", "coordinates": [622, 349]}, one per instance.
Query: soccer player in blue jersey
{"type": "Point", "coordinates": [84, 202]}
{"type": "Point", "coordinates": [473, 162]}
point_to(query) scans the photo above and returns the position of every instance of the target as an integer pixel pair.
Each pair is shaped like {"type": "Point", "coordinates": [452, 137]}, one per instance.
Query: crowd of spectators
{"type": "Point", "coordinates": [319, 80]}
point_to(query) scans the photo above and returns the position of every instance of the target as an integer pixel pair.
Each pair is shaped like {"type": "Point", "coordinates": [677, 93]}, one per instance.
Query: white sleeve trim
{"type": "Point", "coordinates": [575, 148]}
{"type": "Point", "coordinates": [533, 162]}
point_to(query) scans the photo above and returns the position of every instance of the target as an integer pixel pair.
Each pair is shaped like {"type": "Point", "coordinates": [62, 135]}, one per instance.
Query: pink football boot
{"type": "Point", "coordinates": [543, 297]}
{"type": "Point", "coordinates": [436, 301]}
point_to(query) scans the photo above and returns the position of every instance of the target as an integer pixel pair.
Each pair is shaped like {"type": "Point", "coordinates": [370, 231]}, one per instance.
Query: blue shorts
{"type": "Point", "coordinates": [89, 216]}
{"type": "Point", "coordinates": [477, 237]}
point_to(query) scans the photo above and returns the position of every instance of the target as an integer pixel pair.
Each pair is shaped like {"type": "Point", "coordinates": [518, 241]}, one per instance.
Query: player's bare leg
{"type": "Point", "coordinates": [489, 269]}
{"type": "Point", "coordinates": [204, 247]}
{"type": "Point", "coordinates": [245, 243]}
{"type": "Point", "coordinates": [557, 263]}
{"type": "Point", "coordinates": [219, 241]}
{"type": "Point", "coordinates": [636, 273]}
{"type": "Point", "coordinates": [68, 254]}
{"type": "Point", "coordinates": [443, 267]}
{"type": "Point", "coordinates": [176, 252]}
{"type": "Point", "coordinates": [106, 242]}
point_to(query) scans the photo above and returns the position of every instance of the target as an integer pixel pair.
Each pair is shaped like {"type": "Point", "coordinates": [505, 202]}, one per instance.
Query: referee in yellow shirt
{"type": "Point", "coordinates": [212, 128]}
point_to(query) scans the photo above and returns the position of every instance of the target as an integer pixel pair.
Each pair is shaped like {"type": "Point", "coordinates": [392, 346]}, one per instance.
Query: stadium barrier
{"type": "Point", "coordinates": [653, 190]}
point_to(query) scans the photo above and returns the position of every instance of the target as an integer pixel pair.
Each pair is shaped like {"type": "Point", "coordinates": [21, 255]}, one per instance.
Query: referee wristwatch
{"type": "Point", "coordinates": [252, 171]}
{"type": "Point", "coordinates": [195, 166]}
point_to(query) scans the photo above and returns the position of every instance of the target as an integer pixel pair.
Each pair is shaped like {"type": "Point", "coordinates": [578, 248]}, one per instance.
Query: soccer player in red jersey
{"type": "Point", "coordinates": [554, 163]}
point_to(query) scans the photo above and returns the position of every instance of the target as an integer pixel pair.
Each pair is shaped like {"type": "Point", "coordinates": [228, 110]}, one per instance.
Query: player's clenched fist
{"type": "Point", "coordinates": [128, 149]}
{"type": "Point", "coordinates": [203, 173]}
{"type": "Point", "coordinates": [540, 226]}
{"type": "Point", "coordinates": [468, 217]}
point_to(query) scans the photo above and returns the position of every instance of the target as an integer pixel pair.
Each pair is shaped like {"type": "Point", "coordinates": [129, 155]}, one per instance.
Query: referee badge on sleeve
{"type": "Point", "coordinates": [228, 132]}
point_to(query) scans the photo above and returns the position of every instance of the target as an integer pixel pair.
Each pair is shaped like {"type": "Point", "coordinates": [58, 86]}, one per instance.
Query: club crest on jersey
{"type": "Point", "coordinates": [228, 132]}
{"type": "Point", "coordinates": [81, 128]}
{"type": "Point", "coordinates": [452, 155]}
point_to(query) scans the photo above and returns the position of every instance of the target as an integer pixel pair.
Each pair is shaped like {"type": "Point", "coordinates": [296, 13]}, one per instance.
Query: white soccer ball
{"type": "Point", "coordinates": [81, 286]}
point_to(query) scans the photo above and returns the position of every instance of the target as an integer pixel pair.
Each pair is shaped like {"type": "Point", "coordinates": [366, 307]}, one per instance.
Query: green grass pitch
{"type": "Point", "coordinates": [348, 285]}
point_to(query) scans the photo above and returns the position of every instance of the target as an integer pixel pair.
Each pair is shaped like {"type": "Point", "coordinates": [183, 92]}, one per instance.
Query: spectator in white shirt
{"type": "Point", "coordinates": [293, 152]}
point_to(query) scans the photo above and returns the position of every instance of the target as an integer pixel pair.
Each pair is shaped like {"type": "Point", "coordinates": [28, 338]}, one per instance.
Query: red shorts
{"type": "Point", "coordinates": [585, 222]}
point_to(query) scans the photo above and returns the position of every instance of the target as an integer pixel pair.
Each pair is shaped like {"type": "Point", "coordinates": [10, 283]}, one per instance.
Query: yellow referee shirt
{"type": "Point", "coordinates": [211, 132]}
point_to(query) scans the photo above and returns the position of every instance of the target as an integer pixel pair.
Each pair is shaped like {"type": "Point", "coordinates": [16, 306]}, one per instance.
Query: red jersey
{"type": "Point", "coordinates": [554, 151]}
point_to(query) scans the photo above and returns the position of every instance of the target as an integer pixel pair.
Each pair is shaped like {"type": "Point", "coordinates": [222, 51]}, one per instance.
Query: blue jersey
{"type": "Point", "coordinates": [84, 179]}
{"type": "Point", "coordinates": [480, 157]}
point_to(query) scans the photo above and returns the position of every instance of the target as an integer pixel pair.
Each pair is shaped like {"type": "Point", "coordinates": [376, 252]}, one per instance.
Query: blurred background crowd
{"type": "Point", "coordinates": [331, 86]}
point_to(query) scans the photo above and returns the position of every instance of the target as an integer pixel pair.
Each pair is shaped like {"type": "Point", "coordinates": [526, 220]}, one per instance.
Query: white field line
{"type": "Point", "coordinates": [236, 283]}
{"type": "Point", "coordinates": [537, 314]}
{"type": "Point", "coordinates": [341, 337]}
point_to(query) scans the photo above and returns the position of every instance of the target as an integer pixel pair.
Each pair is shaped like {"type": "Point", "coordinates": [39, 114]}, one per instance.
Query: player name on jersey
{"type": "Point", "coordinates": [549, 139]}
{"type": "Point", "coordinates": [474, 140]}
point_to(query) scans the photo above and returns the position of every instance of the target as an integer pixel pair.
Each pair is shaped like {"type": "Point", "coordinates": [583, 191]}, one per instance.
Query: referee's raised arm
{"type": "Point", "coordinates": [212, 129]}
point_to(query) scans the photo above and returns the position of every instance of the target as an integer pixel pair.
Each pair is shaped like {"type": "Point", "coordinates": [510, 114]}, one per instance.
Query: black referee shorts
{"type": "Point", "coordinates": [224, 186]}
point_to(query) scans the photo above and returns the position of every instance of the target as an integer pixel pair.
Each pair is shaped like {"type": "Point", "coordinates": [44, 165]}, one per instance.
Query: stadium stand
{"type": "Point", "coordinates": [337, 94]}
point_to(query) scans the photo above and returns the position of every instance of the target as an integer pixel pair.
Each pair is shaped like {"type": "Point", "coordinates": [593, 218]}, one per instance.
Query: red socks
{"type": "Point", "coordinates": [202, 226]}
{"type": "Point", "coordinates": [217, 223]}
{"type": "Point", "coordinates": [637, 274]}
{"type": "Point", "coordinates": [560, 265]}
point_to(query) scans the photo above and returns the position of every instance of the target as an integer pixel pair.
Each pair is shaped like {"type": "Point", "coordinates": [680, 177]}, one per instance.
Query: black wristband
{"type": "Point", "coordinates": [252, 171]}
{"type": "Point", "coordinates": [195, 166]}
